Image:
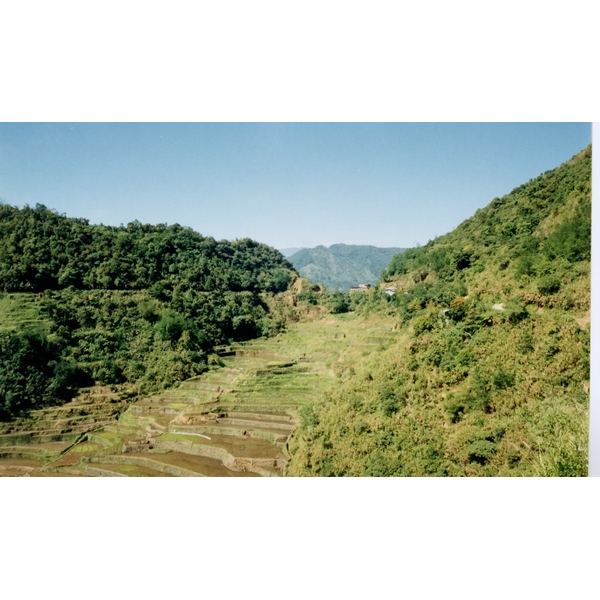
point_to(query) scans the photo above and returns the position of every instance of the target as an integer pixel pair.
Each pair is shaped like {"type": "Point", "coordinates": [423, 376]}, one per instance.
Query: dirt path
{"type": "Point", "coordinates": [583, 321]}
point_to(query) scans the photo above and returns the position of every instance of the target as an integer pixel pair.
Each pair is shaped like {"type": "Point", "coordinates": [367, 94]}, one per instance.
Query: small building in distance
{"type": "Point", "coordinates": [363, 287]}
{"type": "Point", "coordinates": [390, 291]}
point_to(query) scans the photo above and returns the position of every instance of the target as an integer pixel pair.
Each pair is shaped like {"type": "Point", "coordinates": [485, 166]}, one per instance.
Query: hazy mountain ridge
{"type": "Point", "coordinates": [342, 265]}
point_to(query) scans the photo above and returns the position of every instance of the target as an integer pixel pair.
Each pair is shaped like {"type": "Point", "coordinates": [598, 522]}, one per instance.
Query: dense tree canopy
{"type": "Point", "coordinates": [42, 250]}
{"type": "Point", "coordinates": [141, 304]}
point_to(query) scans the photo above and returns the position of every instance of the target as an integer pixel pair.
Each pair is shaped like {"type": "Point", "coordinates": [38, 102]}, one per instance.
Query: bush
{"type": "Point", "coordinates": [517, 313]}
{"type": "Point", "coordinates": [339, 303]}
{"type": "Point", "coordinates": [462, 259]}
{"type": "Point", "coordinates": [388, 402]}
{"type": "Point", "coordinates": [502, 379]}
{"type": "Point", "coordinates": [109, 373]}
{"type": "Point", "coordinates": [481, 451]}
{"type": "Point", "coordinates": [458, 309]}
{"type": "Point", "coordinates": [525, 266]}
{"type": "Point", "coordinates": [455, 407]}
{"type": "Point", "coordinates": [427, 322]}
{"type": "Point", "coordinates": [478, 395]}
{"type": "Point", "coordinates": [525, 343]}
{"type": "Point", "coordinates": [548, 285]}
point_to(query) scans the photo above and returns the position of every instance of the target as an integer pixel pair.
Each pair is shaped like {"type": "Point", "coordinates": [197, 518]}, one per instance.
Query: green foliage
{"type": "Point", "coordinates": [456, 407]}
{"type": "Point", "coordinates": [388, 398]}
{"type": "Point", "coordinates": [339, 303]}
{"type": "Point", "coordinates": [548, 285]}
{"type": "Point", "coordinates": [32, 372]}
{"type": "Point", "coordinates": [477, 396]}
{"type": "Point", "coordinates": [42, 250]}
{"type": "Point", "coordinates": [426, 322]}
{"type": "Point", "coordinates": [486, 374]}
{"type": "Point", "coordinates": [480, 451]}
{"type": "Point", "coordinates": [502, 379]}
{"type": "Point", "coordinates": [573, 239]}
{"type": "Point", "coordinates": [171, 326]}
{"type": "Point", "coordinates": [525, 342]}
{"type": "Point", "coordinates": [308, 417]}
{"type": "Point", "coordinates": [517, 313]}
{"type": "Point", "coordinates": [140, 304]}
{"type": "Point", "coordinates": [510, 223]}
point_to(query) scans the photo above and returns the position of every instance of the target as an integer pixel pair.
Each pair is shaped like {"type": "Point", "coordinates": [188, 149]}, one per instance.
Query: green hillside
{"type": "Point", "coordinates": [488, 371]}
{"type": "Point", "coordinates": [137, 306]}
{"type": "Point", "coordinates": [342, 266]}
{"type": "Point", "coordinates": [477, 365]}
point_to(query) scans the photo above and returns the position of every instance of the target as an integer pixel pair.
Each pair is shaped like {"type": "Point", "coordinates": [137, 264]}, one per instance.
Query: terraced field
{"type": "Point", "coordinates": [19, 309]}
{"type": "Point", "coordinates": [235, 420]}
{"type": "Point", "coordinates": [59, 435]}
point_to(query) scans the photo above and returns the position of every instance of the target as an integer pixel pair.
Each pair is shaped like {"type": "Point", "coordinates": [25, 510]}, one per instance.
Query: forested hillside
{"type": "Point", "coordinates": [342, 266]}
{"type": "Point", "coordinates": [488, 373]}
{"type": "Point", "coordinates": [138, 305]}
{"type": "Point", "coordinates": [477, 365]}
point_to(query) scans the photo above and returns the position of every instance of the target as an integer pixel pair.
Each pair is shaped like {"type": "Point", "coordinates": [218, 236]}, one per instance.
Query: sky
{"type": "Point", "coordinates": [283, 184]}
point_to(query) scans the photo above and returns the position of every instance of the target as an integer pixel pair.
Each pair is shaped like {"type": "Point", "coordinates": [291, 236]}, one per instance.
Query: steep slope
{"type": "Point", "coordinates": [342, 266]}
{"type": "Point", "coordinates": [137, 306]}
{"type": "Point", "coordinates": [489, 373]}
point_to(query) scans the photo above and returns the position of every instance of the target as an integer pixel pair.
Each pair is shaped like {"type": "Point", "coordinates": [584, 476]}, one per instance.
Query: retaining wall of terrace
{"type": "Point", "coordinates": [149, 463]}
{"type": "Point", "coordinates": [231, 462]}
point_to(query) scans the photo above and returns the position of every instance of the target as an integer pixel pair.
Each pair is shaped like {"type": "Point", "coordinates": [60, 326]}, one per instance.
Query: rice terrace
{"type": "Point", "coordinates": [235, 420]}
{"type": "Point", "coordinates": [145, 350]}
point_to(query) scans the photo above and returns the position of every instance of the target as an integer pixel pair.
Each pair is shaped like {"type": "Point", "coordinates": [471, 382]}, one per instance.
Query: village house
{"type": "Point", "coordinates": [363, 287]}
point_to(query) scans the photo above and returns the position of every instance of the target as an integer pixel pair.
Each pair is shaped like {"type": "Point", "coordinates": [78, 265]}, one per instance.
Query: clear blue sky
{"type": "Point", "coordinates": [286, 185]}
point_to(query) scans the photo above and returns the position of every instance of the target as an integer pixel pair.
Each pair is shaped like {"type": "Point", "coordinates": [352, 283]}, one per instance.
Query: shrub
{"type": "Point", "coordinates": [525, 266]}
{"type": "Point", "coordinates": [427, 322]}
{"type": "Point", "coordinates": [458, 309]}
{"type": "Point", "coordinates": [517, 314]}
{"type": "Point", "coordinates": [502, 379]}
{"type": "Point", "coordinates": [548, 285]}
{"type": "Point", "coordinates": [480, 451]}
{"type": "Point", "coordinates": [525, 343]}
{"type": "Point", "coordinates": [308, 417]}
{"type": "Point", "coordinates": [32, 373]}
{"type": "Point", "coordinates": [463, 259]}
{"type": "Point", "coordinates": [478, 395]}
{"type": "Point", "coordinates": [388, 402]}
{"type": "Point", "coordinates": [339, 303]}
{"type": "Point", "coordinates": [455, 407]}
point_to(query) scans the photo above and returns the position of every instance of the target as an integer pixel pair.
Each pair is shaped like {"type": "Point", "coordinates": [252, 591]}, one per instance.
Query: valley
{"type": "Point", "coordinates": [154, 351]}
{"type": "Point", "coordinates": [235, 420]}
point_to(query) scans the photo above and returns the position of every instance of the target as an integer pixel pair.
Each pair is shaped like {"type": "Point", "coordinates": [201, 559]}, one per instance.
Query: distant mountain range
{"type": "Point", "coordinates": [342, 266]}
